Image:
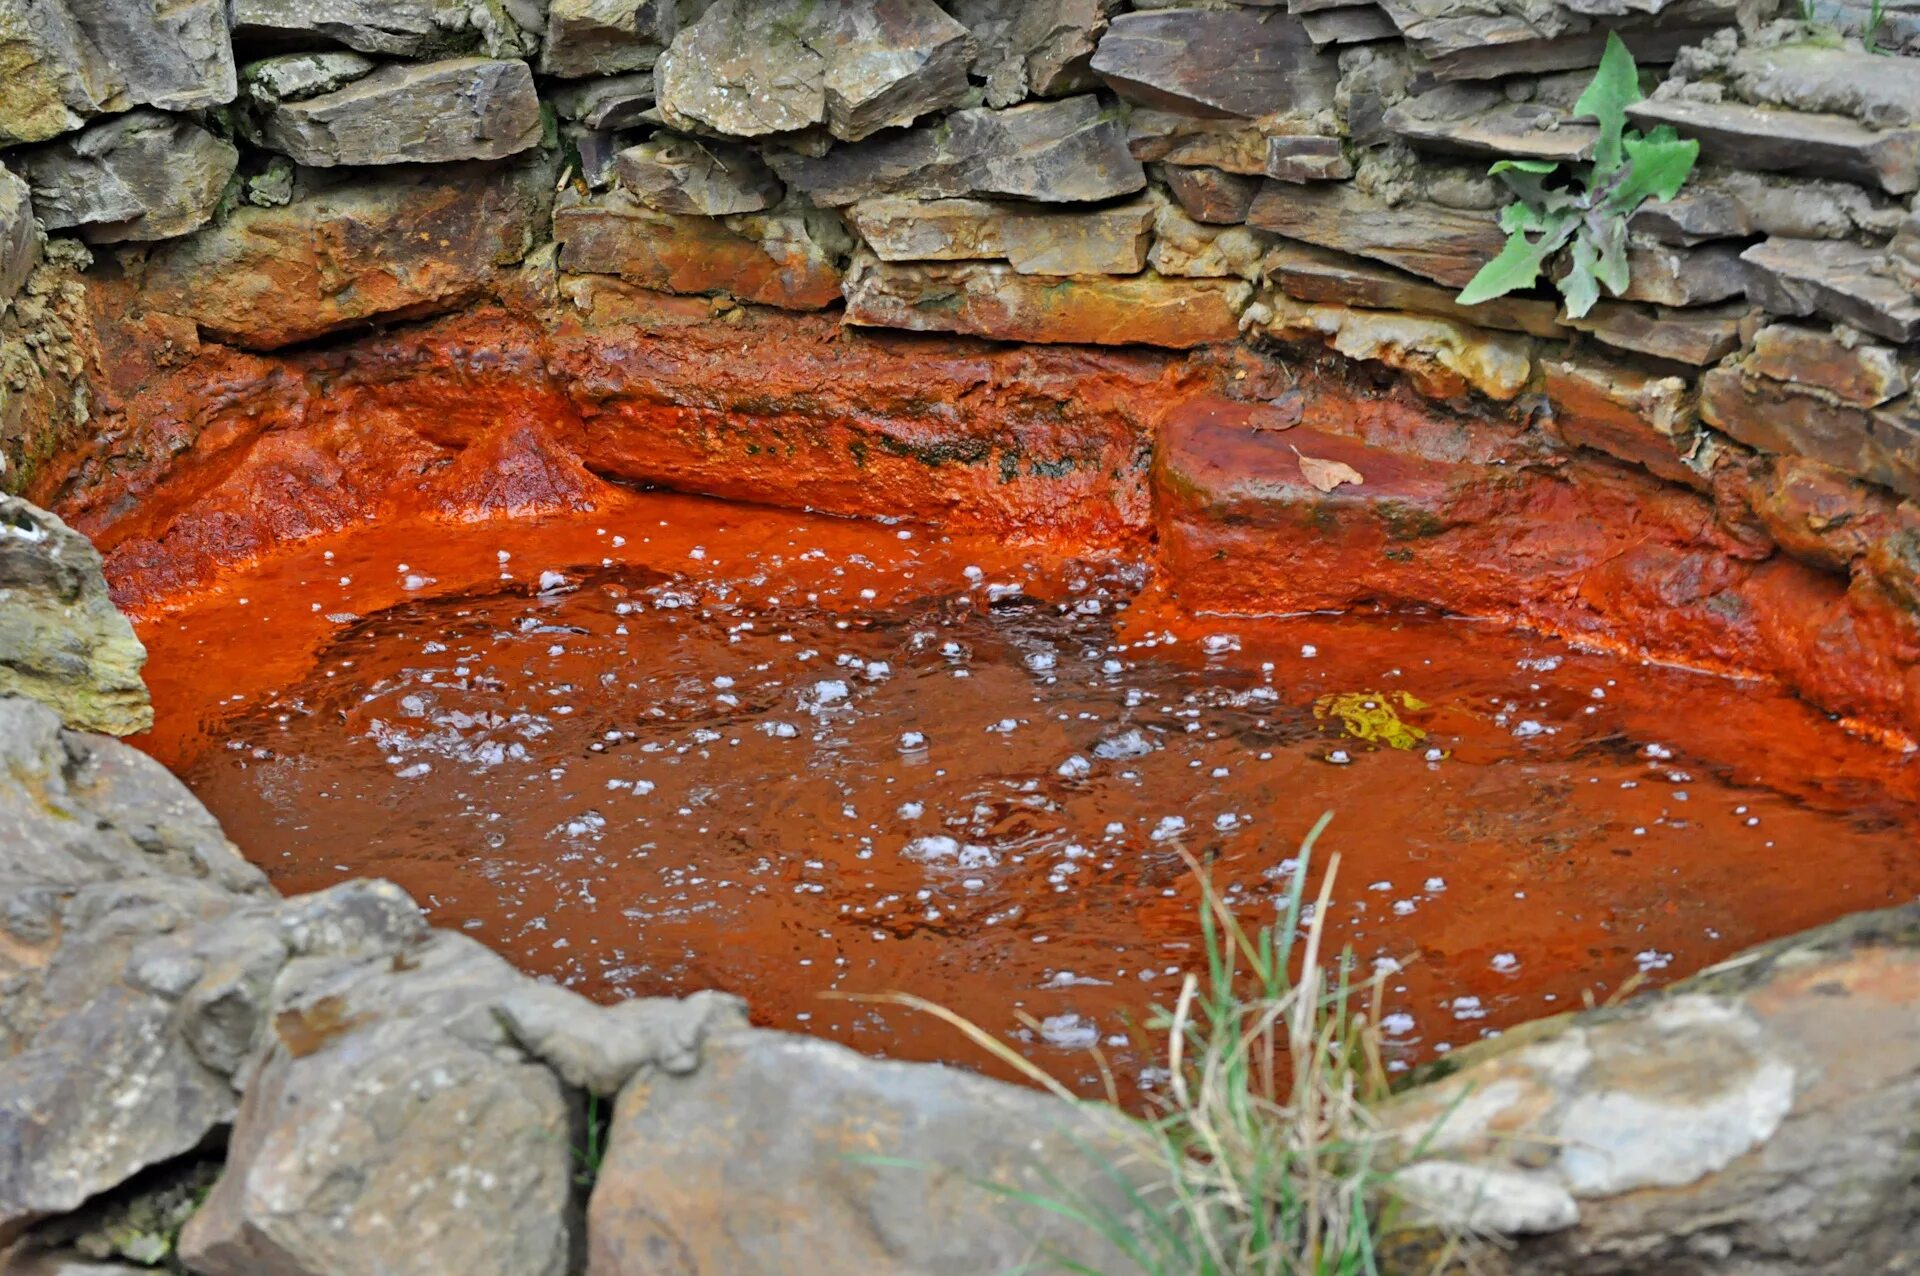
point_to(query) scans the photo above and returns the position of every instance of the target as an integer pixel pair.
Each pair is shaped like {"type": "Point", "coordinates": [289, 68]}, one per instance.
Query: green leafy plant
{"type": "Point", "coordinates": [1588, 214]}
{"type": "Point", "coordinates": [588, 1159]}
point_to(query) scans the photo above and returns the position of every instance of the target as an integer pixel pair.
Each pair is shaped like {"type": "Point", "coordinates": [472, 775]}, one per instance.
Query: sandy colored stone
{"type": "Point", "coordinates": [19, 237]}
{"type": "Point", "coordinates": [672, 174]}
{"type": "Point", "coordinates": [1182, 246]}
{"type": "Point", "coordinates": [1841, 362]}
{"type": "Point", "coordinates": [1212, 195]}
{"type": "Point", "coordinates": [404, 242]}
{"type": "Point", "coordinates": [1103, 241]}
{"type": "Point", "coordinates": [1697, 336]}
{"type": "Point", "coordinates": [987, 299]}
{"type": "Point", "coordinates": [769, 258]}
{"type": "Point", "coordinates": [1625, 412]}
{"type": "Point", "coordinates": [1231, 145]}
{"type": "Point", "coordinates": [1309, 273]}
{"type": "Point", "coordinates": [1444, 358]}
{"type": "Point", "coordinates": [1879, 445]}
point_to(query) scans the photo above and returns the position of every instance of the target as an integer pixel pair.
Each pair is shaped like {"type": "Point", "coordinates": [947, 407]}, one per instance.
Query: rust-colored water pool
{"type": "Point", "coordinates": [674, 744]}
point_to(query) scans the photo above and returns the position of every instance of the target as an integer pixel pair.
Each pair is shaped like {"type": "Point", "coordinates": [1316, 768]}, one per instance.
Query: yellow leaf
{"type": "Point", "coordinates": [1327, 475]}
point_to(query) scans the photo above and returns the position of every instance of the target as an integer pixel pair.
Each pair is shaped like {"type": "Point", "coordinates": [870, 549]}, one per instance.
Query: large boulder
{"type": "Point", "coordinates": [52, 78]}
{"type": "Point", "coordinates": [403, 243]}
{"type": "Point", "coordinates": [424, 113]}
{"type": "Point", "coordinates": [1231, 62]}
{"type": "Point", "coordinates": [750, 68]}
{"type": "Point", "coordinates": [784, 1154]}
{"type": "Point", "coordinates": [1756, 1118]}
{"type": "Point", "coordinates": [62, 641]}
{"type": "Point", "coordinates": [63, 62]}
{"type": "Point", "coordinates": [988, 299]}
{"type": "Point", "coordinates": [1073, 150]}
{"type": "Point", "coordinates": [390, 1125]}
{"type": "Point", "coordinates": [139, 176]}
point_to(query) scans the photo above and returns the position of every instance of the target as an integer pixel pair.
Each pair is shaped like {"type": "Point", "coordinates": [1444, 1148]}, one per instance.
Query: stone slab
{"type": "Point", "coordinates": [1845, 282]}
{"type": "Point", "coordinates": [421, 113]}
{"type": "Point", "coordinates": [1877, 445]}
{"type": "Point", "coordinates": [606, 37]}
{"type": "Point", "coordinates": [1231, 62]}
{"type": "Point", "coordinates": [1743, 136]}
{"type": "Point", "coordinates": [672, 174]}
{"type": "Point", "coordinates": [1444, 244]}
{"type": "Point", "coordinates": [135, 177]}
{"type": "Point", "coordinates": [1231, 145]}
{"type": "Point", "coordinates": [1309, 273]}
{"type": "Point", "coordinates": [1698, 337]}
{"type": "Point", "coordinates": [1105, 241]}
{"type": "Point", "coordinates": [1442, 357]}
{"type": "Point", "coordinates": [1840, 362]}
{"type": "Point", "coordinates": [1034, 48]}
{"type": "Point", "coordinates": [1212, 195]}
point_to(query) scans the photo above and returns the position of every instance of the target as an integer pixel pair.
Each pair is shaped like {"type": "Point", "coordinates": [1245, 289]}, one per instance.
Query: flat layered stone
{"type": "Point", "coordinates": [1303, 157]}
{"type": "Point", "coordinates": [1072, 150]}
{"type": "Point", "coordinates": [1444, 244]}
{"type": "Point", "coordinates": [1349, 24]}
{"type": "Point", "coordinates": [1102, 241]}
{"type": "Point", "coordinates": [1444, 358]}
{"type": "Point", "coordinates": [1698, 337]}
{"type": "Point", "coordinates": [1485, 41]}
{"type": "Point", "coordinates": [422, 113]}
{"type": "Point", "coordinates": [672, 174]}
{"type": "Point", "coordinates": [1212, 195]}
{"type": "Point", "coordinates": [1628, 413]}
{"type": "Point", "coordinates": [770, 259]}
{"type": "Point", "coordinates": [421, 240]}
{"type": "Point", "coordinates": [1879, 91]}
{"type": "Point", "coordinates": [750, 68]}
{"type": "Point", "coordinates": [398, 28]}
{"type": "Point", "coordinates": [1232, 145]}
{"type": "Point", "coordinates": [1232, 62]}
{"type": "Point", "coordinates": [606, 37]}
{"type": "Point", "coordinates": [1472, 120]}
{"type": "Point", "coordinates": [1668, 275]}
{"type": "Point", "coordinates": [1742, 136]}
{"type": "Point", "coordinates": [1877, 445]}
{"type": "Point", "coordinates": [139, 176]}
{"type": "Point", "coordinates": [1728, 204]}
{"type": "Point", "coordinates": [1034, 48]}
{"type": "Point", "coordinates": [1844, 282]}
{"type": "Point", "coordinates": [293, 76]}
{"type": "Point", "coordinates": [1904, 254]}
{"type": "Point", "coordinates": [1309, 273]}
{"type": "Point", "coordinates": [617, 101]}
{"type": "Point", "coordinates": [1841, 362]}
{"type": "Point", "coordinates": [988, 299]}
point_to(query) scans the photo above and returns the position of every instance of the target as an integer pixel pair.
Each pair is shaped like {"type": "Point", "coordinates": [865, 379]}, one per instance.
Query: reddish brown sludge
{"type": "Point", "coordinates": [672, 743]}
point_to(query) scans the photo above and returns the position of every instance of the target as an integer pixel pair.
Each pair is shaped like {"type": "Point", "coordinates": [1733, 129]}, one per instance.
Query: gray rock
{"type": "Point", "coordinates": [1231, 62]}
{"type": "Point", "coordinates": [1729, 204]}
{"type": "Point", "coordinates": [618, 101]}
{"type": "Point", "coordinates": [1876, 445]}
{"type": "Point", "coordinates": [1034, 48]}
{"type": "Point", "coordinates": [427, 240]}
{"type": "Point", "coordinates": [1741, 136]}
{"type": "Point", "coordinates": [1669, 276]}
{"type": "Point", "coordinates": [175, 56]}
{"type": "Point", "coordinates": [1068, 151]}
{"type": "Point", "coordinates": [1480, 41]}
{"type": "Point", "coordinates": [62, 641]}
{"type": "Point", "coordinates": [606, 37]}
{"type": "Point", "coordinates": [77, 809]}
{"type": "Point", "coordinates": [1103, 241]}
{"type": "Point", "coordinates": [1212, 195]}
{"type": "Point", "coordinates": [1444, 244]}
{"type": "Point", "coordinates": [391, 1126]}
{"type": "Point", "coordinates": [52, 78]}
{"type": "Point", "coordinates": [426, 113]}
{"type": "Point", "coordinates": [67, 1263]}
{"type": "Point", "coordinates": [1472, 119]}
{"type": "Point", "coordinates": [1848, 283]}
{"type": "Point", "coordinates": [19, 237]}
{"type": "Point", "coordinates": [294, 76]}
{"type": "Point", "coordinates": [138, 176]}
{"type": "Point", "coordinates": [750, 68]}
{"type": "Point", "coordinates": [599, 1048]}
{"type": "Point", "coordinates": [1773, 1095]}
{"type": "Point", "coordinates": [1904, 254]}
{"type": "Point", "coordinates": [399, 28]}
{"type": "Point", "coordinates": [743, 1167]}
{"type": "Point", "coordinates": [673, 174]}
{"type": "Point", "coordinates": [1348, 24]}
{"type": "Point", "coordinates": [1880, 92]}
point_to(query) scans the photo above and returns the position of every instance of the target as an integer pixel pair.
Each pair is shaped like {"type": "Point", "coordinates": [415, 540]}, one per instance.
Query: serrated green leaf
{"type": "Point", "coordinates": [1523, 166]}
{"type": "Point", "coordinates": [1615, 86]}
{"type": "Point", "coordinates": [1520, 260]}
{"type": "Point", "coordinates": [1530, 185]}
{"type": "Point", "coordinates": [1579, 287]}
{"type": "Point", "coordinates": [1658, 165]}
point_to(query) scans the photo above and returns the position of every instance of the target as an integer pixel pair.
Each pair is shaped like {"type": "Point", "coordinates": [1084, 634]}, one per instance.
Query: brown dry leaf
{"type": "Point", "coordinates": [1282, 413]}
{"type": "Point", "coordinates": [1327, 475]}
